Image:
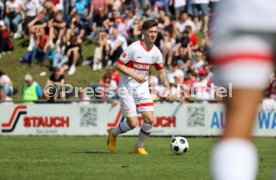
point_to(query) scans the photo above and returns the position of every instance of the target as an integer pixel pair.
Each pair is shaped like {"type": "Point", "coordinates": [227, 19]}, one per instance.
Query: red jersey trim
{"type": "Point", "coordinates": [158, 67]}
{"type": "Point", "coordinates": [144, 104]}
{"type": "Point", "coordinates": [251, 57]}
{"type": "Point", "coordinates": [120, 62]}
{"type": "Point", "coordinates": [142, 44]}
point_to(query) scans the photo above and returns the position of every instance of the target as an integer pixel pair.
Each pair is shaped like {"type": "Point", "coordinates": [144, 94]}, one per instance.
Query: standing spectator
{"type": "Point", "coordinates": [6, 83]}
{"type": "Point", "coordinates": [31, 90]}
{"type": "Point", "coordinates": [13, 16]}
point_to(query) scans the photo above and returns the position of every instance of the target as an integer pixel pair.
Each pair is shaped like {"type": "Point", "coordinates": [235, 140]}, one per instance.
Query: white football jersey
{"type": "Point", "coordinates": [139, 60]}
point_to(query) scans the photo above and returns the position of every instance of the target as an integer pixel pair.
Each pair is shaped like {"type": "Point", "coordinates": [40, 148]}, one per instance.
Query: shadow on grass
{"type": "Point", "coordinates": [98, 152]}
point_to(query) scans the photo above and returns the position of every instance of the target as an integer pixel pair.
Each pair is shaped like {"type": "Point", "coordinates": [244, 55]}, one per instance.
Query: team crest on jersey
{"type": "Point", "coordinates": [124, 54]}
{"type": "Point", "coordinates": [154, 59]}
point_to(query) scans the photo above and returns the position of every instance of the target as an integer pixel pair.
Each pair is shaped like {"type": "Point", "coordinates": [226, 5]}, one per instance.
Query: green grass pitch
{"type": "Point", "coordinates": [88, 158]}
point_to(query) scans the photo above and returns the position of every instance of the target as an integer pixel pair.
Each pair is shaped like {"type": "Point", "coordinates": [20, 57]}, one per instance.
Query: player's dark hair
{"type": "Point", "coordinates": [149, 24]}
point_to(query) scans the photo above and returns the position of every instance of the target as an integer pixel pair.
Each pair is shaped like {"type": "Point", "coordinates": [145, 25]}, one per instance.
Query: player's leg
{"type": "Point", "coordinates": [128, 108]}
{"type": "Point", "coordinates": [145, 132]}
{"type": "Point", "coordinates": [145, 107]}
{"type": "Point", "coordinates": [245, 61]}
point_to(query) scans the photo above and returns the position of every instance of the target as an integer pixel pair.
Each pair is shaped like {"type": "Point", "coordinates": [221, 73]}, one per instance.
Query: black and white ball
{"type": "Point", "coordinates": [179, 145]}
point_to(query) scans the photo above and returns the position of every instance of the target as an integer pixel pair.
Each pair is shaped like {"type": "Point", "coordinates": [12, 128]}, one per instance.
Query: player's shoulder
{"type": "Point", "coordinates": [156, 50]}
{"type": "Point", "coordinates": [134, 45]}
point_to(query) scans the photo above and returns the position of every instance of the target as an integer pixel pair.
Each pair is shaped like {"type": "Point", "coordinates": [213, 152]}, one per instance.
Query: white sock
{"type": "Point", "coordinates": [234, 159]}
{"type": "Point", "coordinates": [121, 128]}
{"type": "Point", "coordinates": [143, 134]}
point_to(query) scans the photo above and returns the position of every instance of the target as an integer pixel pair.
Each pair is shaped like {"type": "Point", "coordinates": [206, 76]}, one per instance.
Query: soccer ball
{"type": "Point", "coordinates": [179, 145]}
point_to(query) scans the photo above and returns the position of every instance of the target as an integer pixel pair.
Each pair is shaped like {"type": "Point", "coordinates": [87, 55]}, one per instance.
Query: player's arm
{"type": "Point", "coordinates": [123, 69]}
{"type": "Point", "coordinates": [164, 81]}
{"type": "Point", "coordinates": [163, 76]}
{"type": "Point", "coordinates": [121, 65]}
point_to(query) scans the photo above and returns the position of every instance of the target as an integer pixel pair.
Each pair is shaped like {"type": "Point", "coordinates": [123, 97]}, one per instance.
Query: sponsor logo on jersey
{"type": "Point", "coordinates": [124, 54]}
{"type": "Point", "coordinates": [141, 66]}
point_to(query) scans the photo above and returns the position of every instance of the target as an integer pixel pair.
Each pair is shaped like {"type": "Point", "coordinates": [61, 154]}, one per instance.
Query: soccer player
{"type": "Point", "coordinates": [134, 65]}
{"type": "Point", "coordinates": [244, 45]}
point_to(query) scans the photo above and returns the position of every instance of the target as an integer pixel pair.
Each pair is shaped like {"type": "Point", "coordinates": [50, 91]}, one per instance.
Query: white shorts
{"type": "Point", "coordinates": [244, 43]}
{"type": "Point", "coordinates": [134, 101]}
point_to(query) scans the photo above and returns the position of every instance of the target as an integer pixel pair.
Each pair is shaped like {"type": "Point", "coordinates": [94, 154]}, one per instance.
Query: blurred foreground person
{"type": "Point", "coordinates": [244, 45]}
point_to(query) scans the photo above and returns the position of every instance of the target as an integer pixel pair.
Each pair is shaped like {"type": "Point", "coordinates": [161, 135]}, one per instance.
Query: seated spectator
{"type": "Point", "coordinates": [81, 8]}
{"type": "Point", "coordinates": [179, 7]}
{"type": "Point", "coordinates": [5, 42]}
{"type": "Point", "coordinates": [31, 90]}
{"type": "Point", "coordinates": [31, 7]}
{"type": "Point", "coordinates": [194, 40]}
{"type": "Point", "coordinates": [4, 99]}
{"type": "Point", "coordinates": [101, 22]}
{"type": "Point", "coordinates": [59, 59]}
{"type": "Point", "coordinates": [82, 97]}
{"type": "Point", "coordinates": [76, 28]}
{"type": "Point", "coordinates": [57, 79]}
{"type": "Point", "coordinates": [198, 62]}
{"type": "Point", "coordinates": [201, 87]}
{"type": "Point", "coordinates": [110, 82]}
{"type": "Point", "coordinates": [13, 16]}
{"type": "Point", "coordinates": [175, 73]}
{"type": "Point", "coordinates": [72, 55]}
{"type": "Point", "coordinates": [137, 33]}
{"type": "Point", "coordinates": [42, 48]}
{"type": "Point", "coordinates": [34, 28]}
{"type": "Point", "coordinates": [200, 11]}
{"type": "Point", "coordinates": [182, 49]}
{"type": "Point", "coordinates": [6, 84]}
{"type": "Point", "coordinates": [2, 8]}
{"type": "Point", "coordinates": [185, 20]}
{"type": "Point", "coordinates": [57, 28]}
{"type": "Point", "coordinates": [161, 4]}
{"type": "Point", "coordinates": [100, 57]}
{"type": "Point", "coordinates": [117, 45]}
{"type": "Point", "coordinates": [167, 45]}
{"type": "Point", "coordinates": [110, 78]}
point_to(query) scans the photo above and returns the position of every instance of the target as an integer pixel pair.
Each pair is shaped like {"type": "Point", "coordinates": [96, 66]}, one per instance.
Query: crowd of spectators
{"type": "Point", "coordinates": [56, 30]}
